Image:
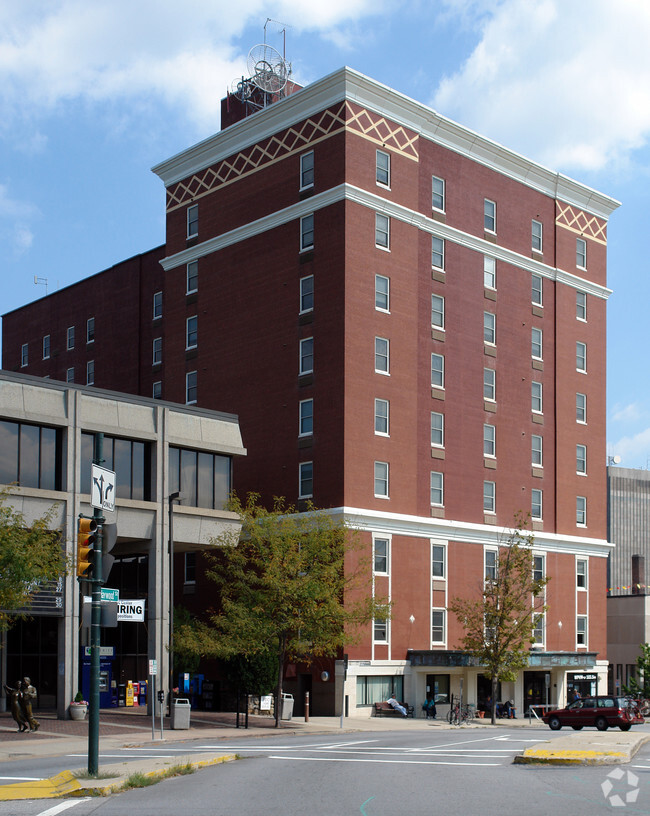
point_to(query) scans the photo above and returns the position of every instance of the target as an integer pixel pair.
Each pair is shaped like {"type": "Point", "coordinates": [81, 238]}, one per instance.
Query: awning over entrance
{"type": "Point", "coordinates": [450, 658]}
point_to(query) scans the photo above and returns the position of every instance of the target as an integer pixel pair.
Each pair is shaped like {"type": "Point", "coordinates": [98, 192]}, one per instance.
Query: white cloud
{"type": "Point", "coordinates": [627, 413]}
{"type": "Point", "coordinates": [567, 83]}
{"type": "Point", "coordinates": [15, 218]}
{"type": "Point", "coordinates": [633, 450]}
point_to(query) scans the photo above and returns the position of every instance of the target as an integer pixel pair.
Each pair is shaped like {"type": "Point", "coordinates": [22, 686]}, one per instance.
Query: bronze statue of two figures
{"type": "Point", "coordinates": [21, 697]}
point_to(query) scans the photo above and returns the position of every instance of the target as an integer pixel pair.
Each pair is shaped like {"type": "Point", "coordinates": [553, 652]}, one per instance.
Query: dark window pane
{"type": "Point", "coordinates": [48, 459]}
{"type": "Point", "coordinates": [123, 468]}
{"type": "Point", "coordinates": [221, 481]}
{"type": "Point", "coordinates": [8, 452]}
{"type": "Point", "coordinates": [86, 461]}
{"type": "Point", "coordinates": [29, 443]}
{"type": "Point", "coordinates": [138, 472]}
{"type": "Point", "coordinates": [188, 477]}
{"type": "Point", "coordinates": [206, 480]}
{"type": "Point", "coordinates": [174, 469]}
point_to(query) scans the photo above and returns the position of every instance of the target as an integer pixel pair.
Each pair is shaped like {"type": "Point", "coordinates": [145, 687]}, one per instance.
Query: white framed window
{"type": "Point", "coordinates": [537, 450]}
{"type": "Point", "coordinates": [536, 503]}
{"type": "Point", "coordinates": [70, 338]}
{"type": "Point", "coordinates": [438, 311]}
{"type": "Point", "coordinates": [46, 347]}
{"type": "Point", "coordinates": [380, 630]}
{"type": "Point", "coordinates": [69, 375]}
{"type": "Point", "coordinates": [438, 370]}
{"type": "Point", "coordinates": [306, 356]}
{"type": "Point", "coordinates": [581, 407]}
{"type": "Point", "coordinates": [581, 459]}
{"type": "Point", "coordinates": [489, 440]}
{"type": "Point", "coordinates": [537, 404]}
{"type": "Point", "coordinates": [437, 430]}
{"type": "Point", "coordinates": [382, 293]}
{"type": "Point", "coordinates": [90, 372]}
{"type": "Point", "coordinates": [581, 630]}
{"type": "Point", "coordinates": [189, 568]}
{"type": "Point", "coordinates": [437, 193]}
{"type": "Point", "coordinates": [581, 253]}
{"type": "Point", "coordinates": [490, 564]}
{"type": "Point", "coordinates": [489, 272]}
{"type": "Point", "coordinates": [581, 511]}
{"type": "Point", "coordinates": [438, 253]}
{"type": "Point", "coordinates": [581, 573]}
{"type": "Point", "coordinates": [539, 627]}
{"type": "Point", "coordinates": [437, 488]}
{"type": "Point", "coordinates": [307, 232]}
{"type": "Point", "coordinates": [489, 497]}
{"type": "Point", "coordinates": [380, 555]}
{"type": "Point", "coordinates": [536, 236]}
{"type": "Point", "coordinates": [539, 567]}
{"type": "Point", "coordinates": [191, 332]}
{"type": "Point", "coordinates": [157, 351]}
{"type": "Point", "coordinates": [191, 387]}
{"type": "Point", "coordinates": [438, 626]}
{"type": "Point", "coordinates": [382, 417]}
{"type": "Point", "coordinates": [157, 305]}
{"type": "Point", "coordinates": [306, 417]}
{"type": "Point", "coordinates": [581, 305]}
{"type": "Point", "coordinates": [156, 391]}
{"type": "Point", "coordinates": [382, 355]}
{"type": "Point", "coordinates": [306, 294]}
{"type": "Point", "coordinates": [489, 328]}
{"type": "Point", "coordinates": [581, 357]}
{"type": "Point", "coordinates": [489, 215]}
{"type": "Point", "coordinates": [382, 231]}
{"type": "Point", "coordinates": [90, 330]}
{"type": "Point", "coordinates": [192, 277]}
{"type": "Point", "coordinates": [307, 170]}
{"type": "Point", "coordinates": [381, 480]}
{"type": "Point", "coordinates": [438, 561]}
{"type": "Point", "coordinates": [489, 384]}
{"type": "Point", "coordinates": [536, 344]}
{"type": "Point", "coordinates": [305, 480]}
{"type": "Point", "coordinates": [382, 170]}
{"type": "Point", "coordinates": [537, 290]}
{"type": "Point", "coordinates": [192, 220]}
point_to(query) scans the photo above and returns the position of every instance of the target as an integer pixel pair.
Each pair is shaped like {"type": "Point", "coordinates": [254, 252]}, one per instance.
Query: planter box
{"type": "Point", "coordinates": [78, 711]}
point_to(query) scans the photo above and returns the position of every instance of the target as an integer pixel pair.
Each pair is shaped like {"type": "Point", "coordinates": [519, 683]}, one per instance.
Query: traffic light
{"type": "Point", "coordinates": [86, 540]}
{"type": "Point", "coordinates": [109, 538]}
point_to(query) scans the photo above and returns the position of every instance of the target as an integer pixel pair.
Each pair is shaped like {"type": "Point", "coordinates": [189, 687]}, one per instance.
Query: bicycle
{"type": "Point", "coordinates": [458, 715]}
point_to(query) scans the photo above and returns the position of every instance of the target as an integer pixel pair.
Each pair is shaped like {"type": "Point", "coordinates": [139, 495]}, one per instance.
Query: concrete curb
{"type": "Point", "coordinates": [610, 749]}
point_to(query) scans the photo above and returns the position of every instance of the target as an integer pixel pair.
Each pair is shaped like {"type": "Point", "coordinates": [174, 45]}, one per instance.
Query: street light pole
{"type": "Point", "coordinates": [175, 496]}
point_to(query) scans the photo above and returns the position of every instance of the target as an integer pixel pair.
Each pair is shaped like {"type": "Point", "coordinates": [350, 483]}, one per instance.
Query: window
{"type": "Point", "coordinates": [536, 344]}
{"type": "Point", "coordinates": [536, 397]}
{"type": "Point", "coordinates": [437, 625]}
{"type": "Point", "coordinates": [307, 170]}
{"type": "Point", "coordinates": [538, 629]}
{"type": "Point", "coordinates": [382, 231]}
{"type": "Point", "coordinates": [581, 357]}
{"type": "Point", "coordinates": [581, 630]}
{"type": "Point", "coordinates": [157, 350]}
{"type": "Point", "coordinates": [382, 293]}
{"type": "Point", "coordinates": [581, 305]}
{"type": "Point", "coordinates": [157, 305]}
{"type": "Point", "coordinates": [489, 497]}
{"type": "Point", "coordinates": [69, 375]}
{"type": "Point", "coordinates": [189, 571]}
{"type": "Point", "coordinates": [539, 567]}
{"type": "Point", "coordinates": [306, 414]}
{"type": "Point", "coordinates": [537, 450]}
{"type": "Point", "coordinates": [377, 688]}
{"type": "Point", "coordinates": [90, 330]}
{"type": "Point", "coordinates": [70, 338]}
{"type": "Point", "coordinates": [382, 172]}
{"type": "Point", "coordinates": [46, 347]}
{"type": "Point", "coordinates": [536, 503]}
{"type": "Point", "coordinates": [380, 631]}
{"type": "Point", "coordinates": [382, 417]}
{"type": "Point", "coordinates": [437, 489]}
{"type": "Point", "coordinates": [437, 371]}
{"type": "Point", "coordinates": [438, 561]}
{"type": "Point", "coordinates": [192, 277]}
{"type": "Point", "coordinates": [191, 387]}
{"type": "Point", "coordinates": [438, 311]}
{"type": "Point", "coordinates": [438, 193]}
{"type": "Point", "coordinates": [307, 232]}
{"type": "Point", "coordinates": [156, 392]}
{"type": "Point", "coordinates": [305, 480]}
{"type": "Point", "coordinates": [489, 216]}
{"type": "Point", "coordinates": [537, 290]}
{"type": "Point", "coordinates": [306, 359]}
{"type": "Point", "coordinates": [581, 407]}
{"type": "Point", "coordinates": [489, 272]}
{"type": "Point", "coordinates": [489, 328]}
{"type": "Point", "coordinates": [31, 455]}
{"type": "Point", "coordinates": [581, 511]}
{"type": "Point", "coordinates": [581, 459]}
{"type": "Point", "coordinates": [437, 430]}
{"type": "Point", "coordinates": [489, 384]}
{"type": "Point", "coordinates": [191, 332]}
{"type": "Point", "coordinates": [306, 294]}
{"type": "Point", "coordinates": [490, 564]}
{"type": "Point", "coordinates": [380, 555]}
{"type": "Point", "coordinates": [489, 440]}
{"type": "Point", "coordinates": [382, 355]}
{"type": "Point", "coordinates": [536, 235]}
{"type": "Point", "coordinates": [381, 480]}
{"type": "Point", "coordinates": [437, 253]}
{"type": "Point", "coordinates": [193, 221]}
{"type": "Point", "coordinates": [90, 372]}
{"type": "Point", "coordinates": [203, 478]}
{"type": "Point", "coordinates": [581, 253]}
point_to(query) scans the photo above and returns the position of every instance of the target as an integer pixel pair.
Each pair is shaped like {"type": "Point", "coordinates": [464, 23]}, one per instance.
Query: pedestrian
{"type": "Point", "coordinates": [15, 696]}
{"type": "Point", "coordinates": [28, 696]}
{"type": "Point", "coordinates": [392, 702]}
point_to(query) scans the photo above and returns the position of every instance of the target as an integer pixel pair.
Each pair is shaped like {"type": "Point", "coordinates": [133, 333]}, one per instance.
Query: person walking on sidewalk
{"type": "Point", "coordinates": [15, 696]}
{"type": "Point", "coordinates": [28, 696]}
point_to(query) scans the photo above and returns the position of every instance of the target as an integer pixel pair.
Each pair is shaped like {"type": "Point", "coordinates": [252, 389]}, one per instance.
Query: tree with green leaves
{"type": "Point", "coordinates": [639, 686]}
{"type": "Point", "coordinates": [30, 555]}
{"type": "Point", "coordinates": [293, 584]}
{"type": "Point", "coordinates": [499, 623]}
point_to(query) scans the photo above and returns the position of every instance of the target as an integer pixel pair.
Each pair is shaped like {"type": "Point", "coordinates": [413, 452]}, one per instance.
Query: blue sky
{"type": "Point", "coordinates": [93, 94]}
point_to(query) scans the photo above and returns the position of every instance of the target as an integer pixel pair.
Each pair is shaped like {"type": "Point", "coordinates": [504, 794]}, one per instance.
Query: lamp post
{"type": "Point", "coordinates": [175, 496]}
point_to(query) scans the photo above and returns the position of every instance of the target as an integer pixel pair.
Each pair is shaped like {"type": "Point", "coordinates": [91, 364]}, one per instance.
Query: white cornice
{"type": "Point", "coordinates": [354, 86]}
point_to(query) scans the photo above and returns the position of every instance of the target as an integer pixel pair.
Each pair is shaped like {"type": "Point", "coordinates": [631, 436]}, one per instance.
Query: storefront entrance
{"type": "Point", "coordinates": [536, 688]}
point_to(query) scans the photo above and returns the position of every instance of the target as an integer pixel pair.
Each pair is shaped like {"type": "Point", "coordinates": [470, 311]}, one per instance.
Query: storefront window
{"type": "Point", "coordinates": [372, 690]}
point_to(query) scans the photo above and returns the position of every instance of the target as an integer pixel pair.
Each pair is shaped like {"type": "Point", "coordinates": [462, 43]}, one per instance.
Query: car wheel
{"type": "Point", "coordinates": [576, 727]}
{"type": "Point", "coordinates": [554, 724]}
{"type": "Point", "coordinates": [625, 727]}
{"type": "Point", "coordinates": [601, 724]}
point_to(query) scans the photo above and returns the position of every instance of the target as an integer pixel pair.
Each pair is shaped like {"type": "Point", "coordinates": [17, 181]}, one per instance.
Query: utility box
{"type": "Point", "coordinates": [180, 714]}
{"type": "Point", "coordinates": [287, 706]}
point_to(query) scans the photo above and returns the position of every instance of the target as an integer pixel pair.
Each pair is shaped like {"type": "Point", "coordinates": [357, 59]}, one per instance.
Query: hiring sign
{"type": "Point", "coordinates": [130, 611]}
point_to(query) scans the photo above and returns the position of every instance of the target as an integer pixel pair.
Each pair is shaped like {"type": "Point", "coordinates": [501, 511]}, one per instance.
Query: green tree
{"type": "Point", "coordinates": [639, 686]}
{"type": "Point", "coordinates": [292, 584]}
{"type": "Point", "coordinates": [499, 624]}
{"type": "Point", "coordinates": [29, 556]}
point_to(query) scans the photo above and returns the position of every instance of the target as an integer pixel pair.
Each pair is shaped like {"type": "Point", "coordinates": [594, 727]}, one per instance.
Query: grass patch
{"type": "Point", "coordinates": [86, 775]}
{"type": "Point", "coordinates": [139, 780]}
{"type": "Point", "coordinates": [179, 770]}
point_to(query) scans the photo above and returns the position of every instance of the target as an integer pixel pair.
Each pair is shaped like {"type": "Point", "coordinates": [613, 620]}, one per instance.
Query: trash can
{"type": "Point", "coordinates": [180, 714]}
{"type": "Point", "coordinates": [287, 706]}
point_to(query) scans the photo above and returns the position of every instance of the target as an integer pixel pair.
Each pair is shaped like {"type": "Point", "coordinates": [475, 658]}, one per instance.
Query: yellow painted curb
{"type": "Point", "coordinates": [60, 785]}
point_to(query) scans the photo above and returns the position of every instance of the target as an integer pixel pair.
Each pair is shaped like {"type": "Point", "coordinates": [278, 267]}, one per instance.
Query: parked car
{"type": "Point", "coordinates": [603, 711]}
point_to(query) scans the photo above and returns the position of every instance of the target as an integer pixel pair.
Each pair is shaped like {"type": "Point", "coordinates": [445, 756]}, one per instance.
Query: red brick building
{"type": "Point", "coordinates": [409, 321]}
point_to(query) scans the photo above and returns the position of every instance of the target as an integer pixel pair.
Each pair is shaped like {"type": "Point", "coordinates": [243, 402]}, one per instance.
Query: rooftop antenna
{"type": "Point", "coordinates": [268, 74]}
{"type": "Point", "coordinates": [41, 282]}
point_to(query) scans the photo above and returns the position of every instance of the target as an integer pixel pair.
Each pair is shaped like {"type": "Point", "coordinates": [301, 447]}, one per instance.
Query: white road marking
{"type": "Point", "coordinates": [22, 778]}
{"type": "Point", "coordinates": [386, 761]}
{"type": "Point", "coordinates": [128, 756]}
{"type": "Point", "coordinates": [62, 806]}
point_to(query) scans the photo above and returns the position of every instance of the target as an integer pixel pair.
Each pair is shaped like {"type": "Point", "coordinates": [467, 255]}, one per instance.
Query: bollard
{"type": "Point", "coordinates": [306, 706]}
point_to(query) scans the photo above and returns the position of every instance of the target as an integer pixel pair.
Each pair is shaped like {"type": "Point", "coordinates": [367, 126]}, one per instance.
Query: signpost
{"type": "Point", "coordinates": [153, 671]}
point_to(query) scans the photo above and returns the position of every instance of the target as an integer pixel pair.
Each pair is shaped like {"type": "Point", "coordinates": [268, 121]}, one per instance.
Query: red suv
{"type": "Point", "coordinates": [602, 711]}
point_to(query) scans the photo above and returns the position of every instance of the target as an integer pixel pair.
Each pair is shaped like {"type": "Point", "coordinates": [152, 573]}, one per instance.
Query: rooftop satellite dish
{"type": "Point", "coordinates": [617, 460]}
{"type": "Point", "coordinates": [268, 69]}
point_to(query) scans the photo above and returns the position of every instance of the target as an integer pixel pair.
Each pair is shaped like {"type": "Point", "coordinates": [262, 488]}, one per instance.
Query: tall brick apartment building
{"type": "Point", "coordinates": [409, 321]}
